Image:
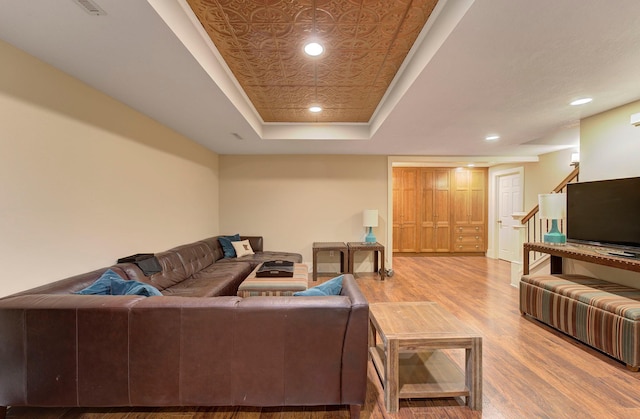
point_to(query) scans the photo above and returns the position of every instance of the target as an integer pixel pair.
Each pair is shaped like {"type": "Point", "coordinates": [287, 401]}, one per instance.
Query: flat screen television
{"type": "Point", "coordinates": [605, 213]}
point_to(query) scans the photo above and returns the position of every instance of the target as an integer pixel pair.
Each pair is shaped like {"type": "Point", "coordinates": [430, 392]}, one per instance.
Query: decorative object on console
{"type": "Point", "coordinates": [553, 207]}
{"type": "Point", "coordinates": [370, 220]}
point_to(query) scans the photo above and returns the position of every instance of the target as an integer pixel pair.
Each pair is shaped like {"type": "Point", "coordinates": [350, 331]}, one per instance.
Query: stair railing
{"type": "Point", "coordinates": [536, 227]}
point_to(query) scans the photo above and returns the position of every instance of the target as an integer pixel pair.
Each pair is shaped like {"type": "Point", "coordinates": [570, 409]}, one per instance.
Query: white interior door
{"type": "Point", "coordinates": [509, 201]}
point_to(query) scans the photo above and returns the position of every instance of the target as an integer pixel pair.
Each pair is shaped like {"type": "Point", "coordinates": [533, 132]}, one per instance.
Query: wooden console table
{"type": "Point", "coordinates": [576, 252]}
{"type": "Point", "coordinates": [372, 247]}
{"type": "Point", "coordinates": [330, 247]}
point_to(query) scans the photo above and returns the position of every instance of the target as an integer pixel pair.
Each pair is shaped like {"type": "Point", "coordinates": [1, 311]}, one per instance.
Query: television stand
{"type": "Point", "coordinates": [621, 254]}
{"type": "Point", "coordinates": [581, 253]}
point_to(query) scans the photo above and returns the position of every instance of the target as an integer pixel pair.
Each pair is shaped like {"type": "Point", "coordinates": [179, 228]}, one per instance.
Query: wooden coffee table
{"type": "Point", "coordinates": [409, 360]}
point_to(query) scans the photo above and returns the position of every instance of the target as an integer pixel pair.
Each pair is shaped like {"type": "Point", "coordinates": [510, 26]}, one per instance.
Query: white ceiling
{"type": "Point", "coordinates": [486, 66]}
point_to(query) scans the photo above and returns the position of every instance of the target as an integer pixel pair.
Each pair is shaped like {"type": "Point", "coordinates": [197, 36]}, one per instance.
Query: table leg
{"type": "Point", "coordinates": [473, 374]}
{"type": "Point", "coordinates": [372, 334]}
{"type": "Point", "coordinates": [351, 258]}
{"type": "Point", "coordinates": [375, 261]}
{"type": "Point", "coordinates": [342, 262]}
{"type": "Point", "coordinates": [382, 271]}
{"type": "Point", "coordinates": [556, 265]}
{"type": "Point", "coordinates": [315, 264]}
{"type": "Point", "coordinates": [391, 376]}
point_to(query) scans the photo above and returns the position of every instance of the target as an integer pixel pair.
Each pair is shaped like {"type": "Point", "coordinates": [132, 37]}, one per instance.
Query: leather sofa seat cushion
{"type": "Point", "coordinates": [199, 287]}
{"type": "Point", "coordinates": [216, 280]}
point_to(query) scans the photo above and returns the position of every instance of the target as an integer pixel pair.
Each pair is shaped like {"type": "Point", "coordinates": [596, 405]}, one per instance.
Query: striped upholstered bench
{"type": "Point", "coordinates": [601, 314]}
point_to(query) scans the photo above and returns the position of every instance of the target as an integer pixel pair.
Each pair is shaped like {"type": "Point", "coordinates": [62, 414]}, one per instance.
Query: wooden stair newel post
{"type": "Point", "coordinates": [516, 265]}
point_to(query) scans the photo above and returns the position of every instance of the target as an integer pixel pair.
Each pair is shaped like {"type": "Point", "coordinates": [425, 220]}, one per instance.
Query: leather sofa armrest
{"type": "Point", "coordinates": [256, 242]}
{"type": "Point", "coordinates": [355, 354]}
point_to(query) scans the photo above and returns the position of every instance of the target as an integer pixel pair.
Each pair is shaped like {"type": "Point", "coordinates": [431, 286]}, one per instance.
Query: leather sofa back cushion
{"type": "Point", "coordinates": [173, 271]}
{"type": "Point", "coordinates": [72, 284]}
{"type": "Point", "coordinates": [195, 257]}
{"type": "Point", "coordinates": [215, 247]}
{"type": "Point", "coordinates": [266, 343]}
{"type": "Point", "coordinates": [255, 242]}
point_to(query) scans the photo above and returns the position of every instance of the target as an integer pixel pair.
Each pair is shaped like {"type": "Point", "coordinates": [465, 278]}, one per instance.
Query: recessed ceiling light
{"type": "Point", "coordinates": [491, 137]}
{"type": "Point", "coordinates": [471, 165]}
{"type": "Point", "coordinates": [313, 49]}
{"type": "Point", "coordinates": [315, 109]}
{"type": "Point", "coordinates": [581, 101]}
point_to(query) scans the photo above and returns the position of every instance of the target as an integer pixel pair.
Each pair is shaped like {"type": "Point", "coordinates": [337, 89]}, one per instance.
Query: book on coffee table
{"type": "Point", "coordinates": [275, 268]}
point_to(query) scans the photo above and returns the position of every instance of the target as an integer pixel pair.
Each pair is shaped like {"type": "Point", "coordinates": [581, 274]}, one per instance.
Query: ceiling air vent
{"type": "Point", "coordinates": [90, 7]}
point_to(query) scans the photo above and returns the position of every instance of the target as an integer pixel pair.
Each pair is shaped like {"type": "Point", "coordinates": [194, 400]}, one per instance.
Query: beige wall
{"type": "Point", "coordinates": [85, 179]}
{"type": "Point", "coordinates": [609, 149]}
{"type": "Point", "coordinates": [610, 145]}
{"type": "Point", "coordinates": [295, 200]}
{"type": "Point", "coordinates": [544, 176]}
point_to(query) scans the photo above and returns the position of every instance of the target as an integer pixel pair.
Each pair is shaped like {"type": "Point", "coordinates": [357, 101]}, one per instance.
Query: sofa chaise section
{"type": "Point", "coordinates": [259, 255]}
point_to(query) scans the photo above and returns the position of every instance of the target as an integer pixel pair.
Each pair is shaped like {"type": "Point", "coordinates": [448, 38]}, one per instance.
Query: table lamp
{"type": "Point", "coordinates": [553, 207]}
{"type": "Point", "coordinates": [370, 220]}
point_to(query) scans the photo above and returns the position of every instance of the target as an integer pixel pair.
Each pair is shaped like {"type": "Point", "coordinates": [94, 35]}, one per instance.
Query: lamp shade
{"type": "Point", "coordinates": [370, 218]}
{"type": "Point", "coordinates": [553, 206]}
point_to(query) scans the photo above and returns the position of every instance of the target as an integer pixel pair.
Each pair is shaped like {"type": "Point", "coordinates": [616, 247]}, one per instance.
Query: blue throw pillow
{"type": "Point", "coordinates": [330, 287]}
{"type": "Point", "coordinates": [227, 247]}
{"type": "Point", "coordinates": [110, 283]}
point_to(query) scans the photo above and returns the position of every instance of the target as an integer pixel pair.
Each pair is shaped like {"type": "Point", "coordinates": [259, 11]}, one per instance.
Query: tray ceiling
{"type": "Point", "coordinates": [365, 43]}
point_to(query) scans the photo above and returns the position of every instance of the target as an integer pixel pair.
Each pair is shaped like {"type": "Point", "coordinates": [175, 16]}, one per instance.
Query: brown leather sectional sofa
{"type": "Point", "coordinates": [62, 349]}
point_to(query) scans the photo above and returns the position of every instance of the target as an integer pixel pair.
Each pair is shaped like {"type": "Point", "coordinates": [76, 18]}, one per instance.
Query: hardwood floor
{"type": "Point", "coordinates": [529, 370]}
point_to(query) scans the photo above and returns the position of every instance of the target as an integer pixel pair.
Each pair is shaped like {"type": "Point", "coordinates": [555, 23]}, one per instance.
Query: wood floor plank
{"type": "Point", "coordinates": [530, 370]}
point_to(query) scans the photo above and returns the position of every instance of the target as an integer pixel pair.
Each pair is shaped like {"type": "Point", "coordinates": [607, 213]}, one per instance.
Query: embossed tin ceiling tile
{"type": "Point", "coordinates": [365, 43]}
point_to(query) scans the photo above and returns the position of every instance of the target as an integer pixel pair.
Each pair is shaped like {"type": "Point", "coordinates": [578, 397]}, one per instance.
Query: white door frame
{"type": "Point", "coordinates": [494, 186]}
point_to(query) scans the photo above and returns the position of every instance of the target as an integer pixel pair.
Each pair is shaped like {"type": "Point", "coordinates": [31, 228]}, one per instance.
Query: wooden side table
{"type": "Point", "coordinates": [328, 247]}
{"type": "Point", "coordinates": [409, 361]}
{"type": "Point", "coordinates": [371, 247]}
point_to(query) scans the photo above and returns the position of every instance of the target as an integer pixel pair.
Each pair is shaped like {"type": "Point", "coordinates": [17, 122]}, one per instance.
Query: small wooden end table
{"type": "Point", "coordinates": [328, 247]}
{"type": "Point", "coordinates": [371, 247]}
{"type": "Point", "coordinates": [408, 360]}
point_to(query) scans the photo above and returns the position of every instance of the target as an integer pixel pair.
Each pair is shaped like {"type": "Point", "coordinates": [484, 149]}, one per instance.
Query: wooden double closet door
{"type": "Point", "coordinates": [439, 210]}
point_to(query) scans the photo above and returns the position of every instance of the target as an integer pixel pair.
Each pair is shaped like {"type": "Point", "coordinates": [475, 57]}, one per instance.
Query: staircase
{"type": "Point", "coordinates": [535, 228]}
